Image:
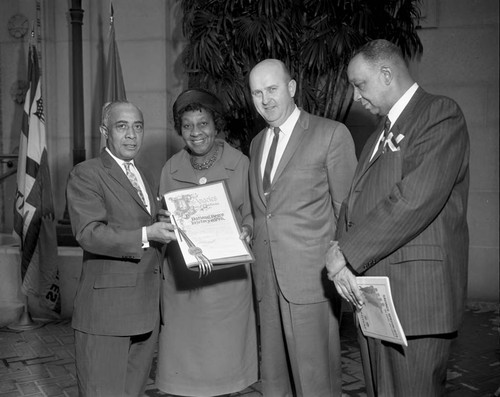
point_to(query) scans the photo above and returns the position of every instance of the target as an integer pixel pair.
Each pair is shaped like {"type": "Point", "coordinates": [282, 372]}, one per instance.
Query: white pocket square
{"type": "Point", "coordinates": [392, 142]}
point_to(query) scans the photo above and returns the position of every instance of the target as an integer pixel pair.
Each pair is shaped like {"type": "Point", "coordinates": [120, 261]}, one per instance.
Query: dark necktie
{"type": "Point", "coordinates": [387, 129]}
{"type": "Point", "coordinates": [381, 142]}
{"type": "Point", "coordinates": [133, 180]}
{"type": "Point", "coordinates": [266, 180]}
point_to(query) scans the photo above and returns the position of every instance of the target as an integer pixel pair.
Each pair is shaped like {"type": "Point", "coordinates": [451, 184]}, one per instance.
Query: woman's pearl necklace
{"type": "Point", "coordinates": [207, 163]}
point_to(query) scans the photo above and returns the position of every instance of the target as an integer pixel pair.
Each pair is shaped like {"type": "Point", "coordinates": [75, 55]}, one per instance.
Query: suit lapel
{"type": "Point", "coordinates": [291, 147]}
{"type": "Point", "coordinates": [293, 144]}
{"type": "Point", "coordinates": [409, 111]}
{"type": "Point", "coordinates": [115, 172]}
{"type": "Point", "coordinates": [153, 201]}
{"type": "Point", "coordinates": [364, 160]}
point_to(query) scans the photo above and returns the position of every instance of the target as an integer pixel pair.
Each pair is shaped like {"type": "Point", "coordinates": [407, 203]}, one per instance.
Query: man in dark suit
{"type": "Point", "coordinates": [301, 169]}
{"type": "Point", "coordinates": [116, 308]}
{"type": "Point", "coordinates": [405, 218]}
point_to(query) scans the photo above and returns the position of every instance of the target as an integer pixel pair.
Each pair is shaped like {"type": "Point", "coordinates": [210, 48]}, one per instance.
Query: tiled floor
{"type": "Point", "coordinates": [40, 362]}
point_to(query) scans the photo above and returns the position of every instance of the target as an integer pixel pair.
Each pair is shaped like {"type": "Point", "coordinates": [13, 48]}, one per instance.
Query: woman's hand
{"type": "Point", "coordinates": [246, 234]}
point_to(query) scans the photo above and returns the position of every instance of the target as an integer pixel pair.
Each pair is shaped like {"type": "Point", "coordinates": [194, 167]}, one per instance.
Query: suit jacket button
{"type": "Point", "coordinates": [155, 271]}
{"type": "Point", "coordinates": [268, 216]}
{"type": "Point", "coordinates": [350, 224]}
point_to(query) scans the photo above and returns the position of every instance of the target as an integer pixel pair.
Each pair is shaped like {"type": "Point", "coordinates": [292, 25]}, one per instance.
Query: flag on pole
{"type": "Point", "coordinates": [114, 87]}
{"type": "Point", "coordinates": [34, 208]}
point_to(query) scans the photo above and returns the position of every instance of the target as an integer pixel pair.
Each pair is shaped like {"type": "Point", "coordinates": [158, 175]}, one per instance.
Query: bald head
{"type": "Point", "coordinates": [272, 90]}
{"type": "Point", "coordinates": [271, 66]}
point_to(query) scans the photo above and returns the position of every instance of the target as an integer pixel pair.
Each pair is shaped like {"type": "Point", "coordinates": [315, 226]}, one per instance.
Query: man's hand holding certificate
{"type": "Point", "coordinates": [206, 227]}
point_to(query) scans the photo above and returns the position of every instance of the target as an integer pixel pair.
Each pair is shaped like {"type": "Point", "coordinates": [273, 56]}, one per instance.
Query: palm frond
{"type": "Point", "coordinates": [315, 39]}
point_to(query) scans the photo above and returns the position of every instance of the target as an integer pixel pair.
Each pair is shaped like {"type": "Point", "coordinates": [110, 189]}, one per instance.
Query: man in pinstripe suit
{"type": "Point", "coordinates": [405, 218]}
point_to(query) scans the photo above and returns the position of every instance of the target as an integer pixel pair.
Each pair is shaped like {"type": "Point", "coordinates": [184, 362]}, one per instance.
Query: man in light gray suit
{"type": "Point", "coordinates": [301, 169]}
{"type": "Point", "coordinates": [406, 218]}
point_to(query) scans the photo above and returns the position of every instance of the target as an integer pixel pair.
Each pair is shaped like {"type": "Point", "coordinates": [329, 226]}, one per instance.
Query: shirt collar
{"type": "Point", "coordinates": [400, 105]}
{"type": "Point", "coordinates": [288, 126]}
{"type": "Point", "coordinates": [119, 161]}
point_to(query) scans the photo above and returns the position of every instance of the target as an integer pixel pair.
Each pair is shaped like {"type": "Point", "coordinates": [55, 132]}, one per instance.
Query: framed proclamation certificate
{"type": "Point", "coordinates": [204, 220]}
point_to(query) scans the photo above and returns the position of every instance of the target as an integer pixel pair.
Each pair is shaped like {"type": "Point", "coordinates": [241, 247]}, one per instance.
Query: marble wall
{"type": "Point", "coordinates": [461, 61]}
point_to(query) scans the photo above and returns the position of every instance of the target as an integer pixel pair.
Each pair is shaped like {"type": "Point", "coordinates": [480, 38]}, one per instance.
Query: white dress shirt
{"type": "Point", "coordinates": [286, 130]}
{"type": "Point", "coordinates": [145, 242]}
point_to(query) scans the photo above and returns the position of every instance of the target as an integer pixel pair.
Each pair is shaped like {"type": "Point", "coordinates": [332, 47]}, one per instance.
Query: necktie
{"type": "Point", "coordinates": [381, 142]}
{"type": "Point", "coordinates": [266, 180]}
{"type": "Point", "coordinates": [387, 129]}
{"type": "Point", "coordinates": [133, 180]}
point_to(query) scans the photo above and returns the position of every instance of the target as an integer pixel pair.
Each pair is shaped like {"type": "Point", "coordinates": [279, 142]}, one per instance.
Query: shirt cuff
{"type": "Point", "coordinates": [145, 241]}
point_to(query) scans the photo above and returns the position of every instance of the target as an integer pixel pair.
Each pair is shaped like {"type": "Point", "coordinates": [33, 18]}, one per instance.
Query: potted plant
{"type": "Point", "coordinates": [315, 39]}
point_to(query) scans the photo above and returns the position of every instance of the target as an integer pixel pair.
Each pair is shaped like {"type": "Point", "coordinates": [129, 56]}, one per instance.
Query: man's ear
{"type": "Point", "coordinates": [104, 131]}
{"type": "Point", "coordinates": [387, 74]}
{"type": "Point", "coordinates": [292, 87]}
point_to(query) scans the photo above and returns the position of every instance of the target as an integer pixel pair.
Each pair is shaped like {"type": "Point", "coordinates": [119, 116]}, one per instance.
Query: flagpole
{"type": "Point", "coordinates": [25, 321]}
{"type": "Point", "coordinates": [64, 234]}
{"type": "Point", "coordinates": [76, 13]}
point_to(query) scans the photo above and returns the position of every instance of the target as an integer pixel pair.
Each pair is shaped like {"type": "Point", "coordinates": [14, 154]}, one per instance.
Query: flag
{"type": "Point", "coordinates": [114, 87]}
{"type": "Point", "coordinates": [34, 224]}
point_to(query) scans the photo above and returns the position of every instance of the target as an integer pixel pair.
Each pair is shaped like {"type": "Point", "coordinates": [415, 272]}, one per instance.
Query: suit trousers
{"type": "Point", "coordinates": [413, 371]}
{"type": "Point", "coordinates": [300, 345]}
{"type": "Point", "coordinates": [114, 366]}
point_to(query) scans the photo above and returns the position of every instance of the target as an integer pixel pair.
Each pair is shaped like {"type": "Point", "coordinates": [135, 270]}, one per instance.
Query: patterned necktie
{"type": "Point", "coordinates": [387, 129]}
{"type": "Point", "coordinates": [266, 180]}
{"type": "Point", "coordinates": [133, 180]}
